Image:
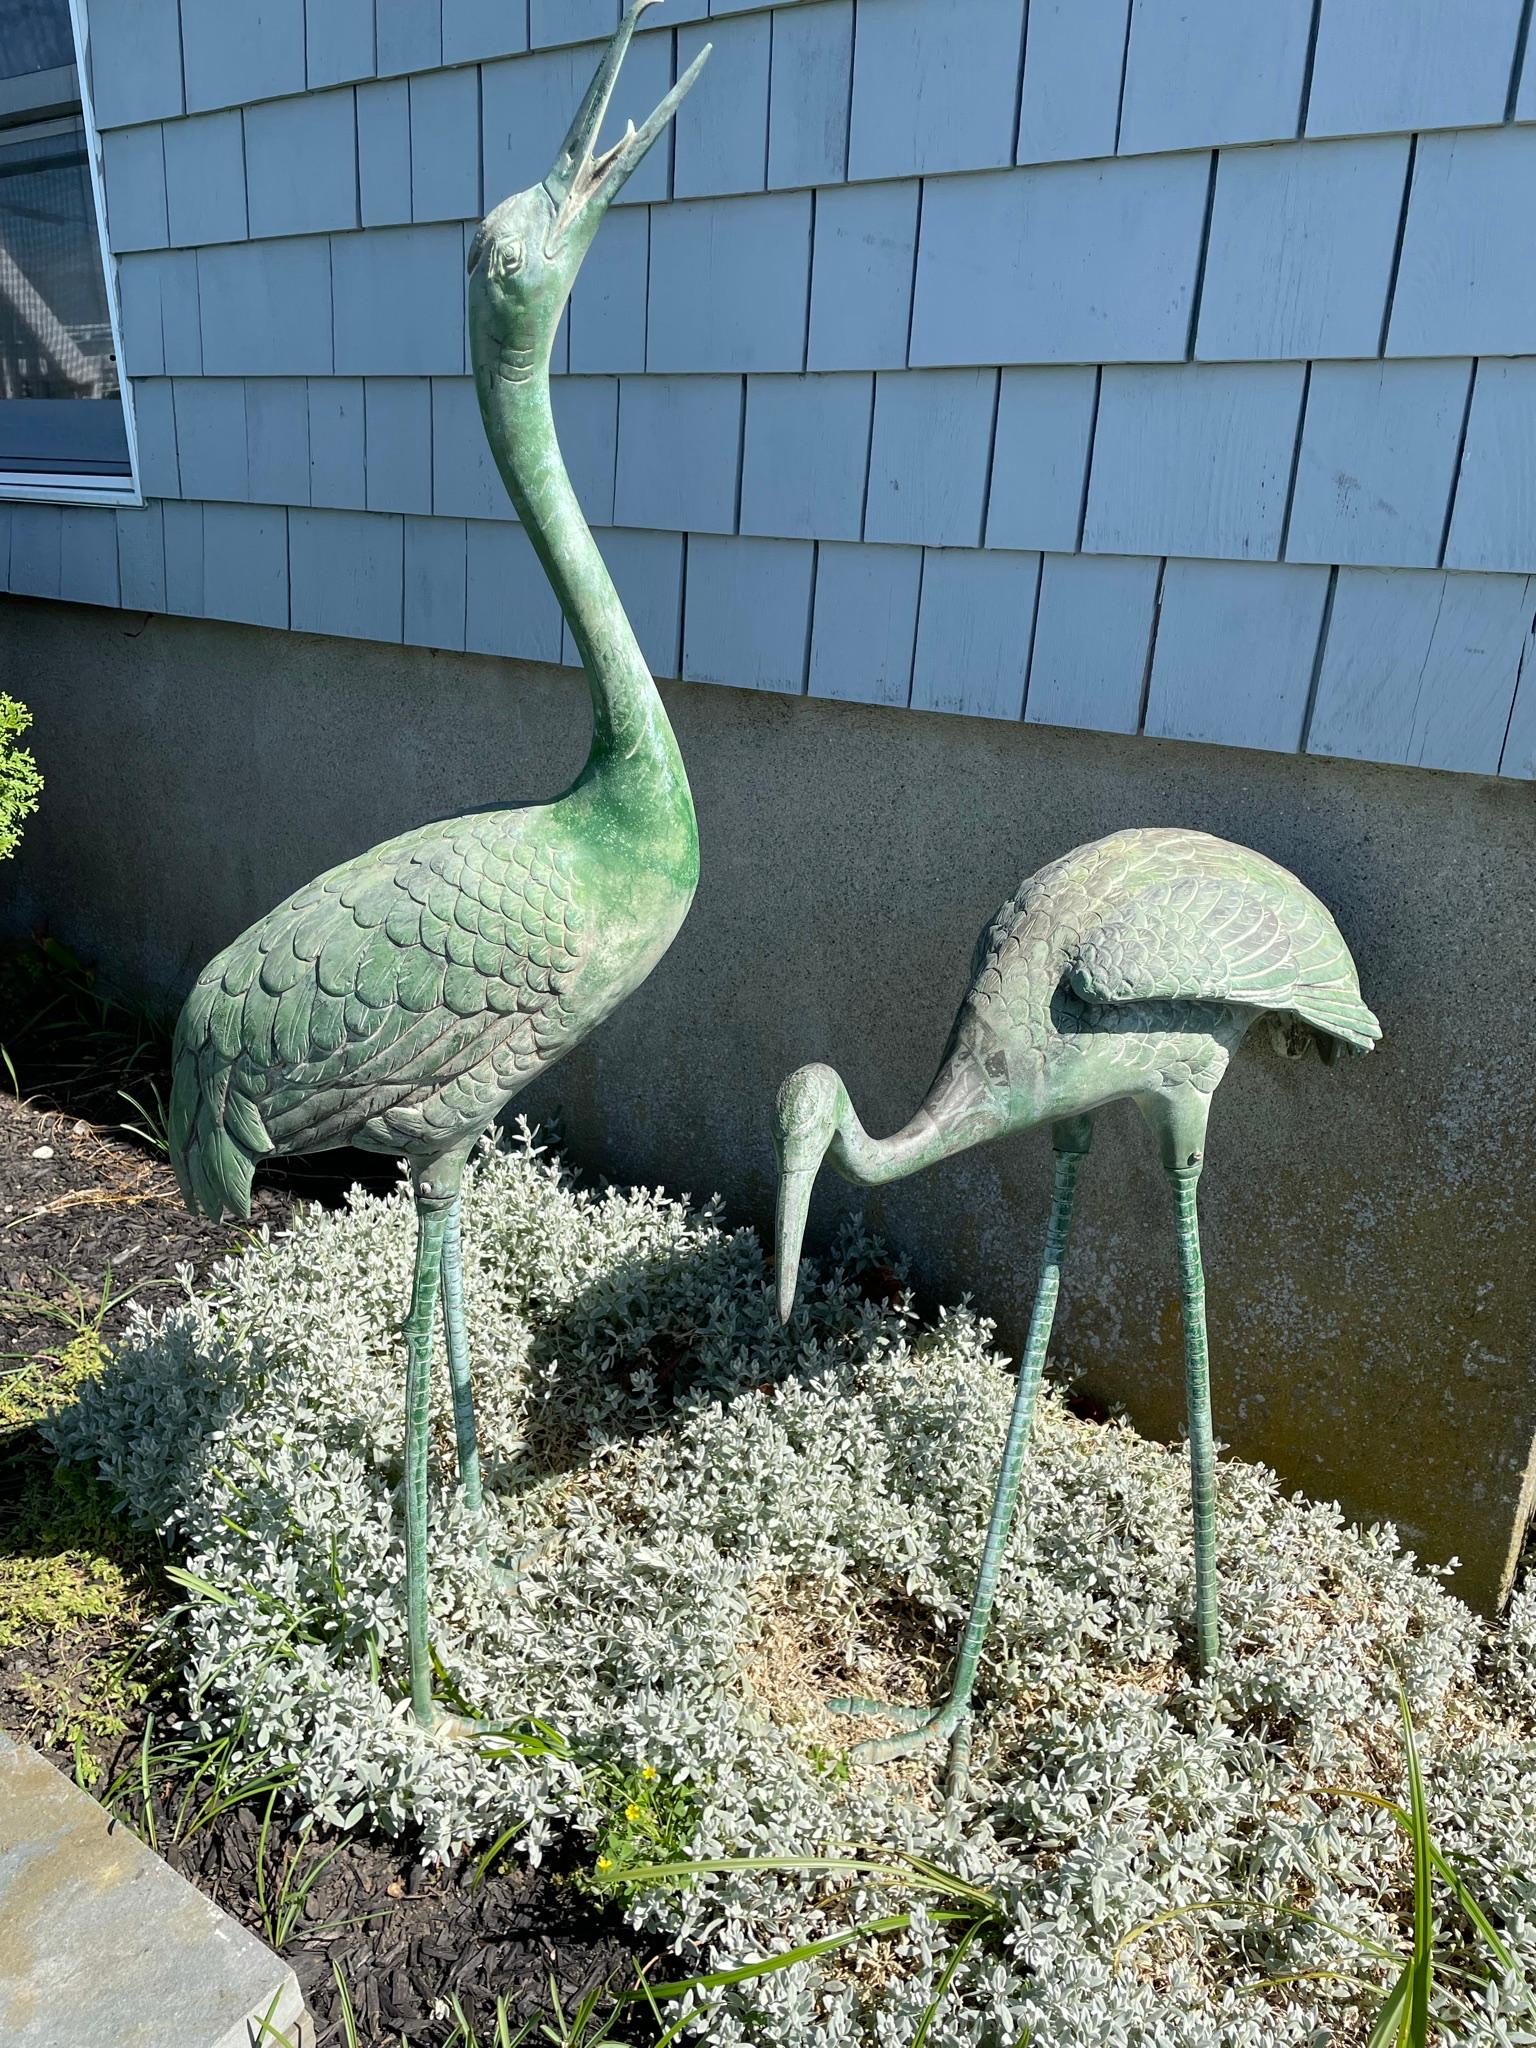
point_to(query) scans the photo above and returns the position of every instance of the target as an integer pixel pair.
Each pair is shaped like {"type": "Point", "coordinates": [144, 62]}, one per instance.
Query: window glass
{"type": "Point", "coordinates": [60, 409]}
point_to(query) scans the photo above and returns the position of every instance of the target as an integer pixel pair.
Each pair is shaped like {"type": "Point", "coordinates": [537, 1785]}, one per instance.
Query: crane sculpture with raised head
{"type": "Point", "coordinates": [1132, 967]}
{"type": "Point", "coordinates": [399, 1002]}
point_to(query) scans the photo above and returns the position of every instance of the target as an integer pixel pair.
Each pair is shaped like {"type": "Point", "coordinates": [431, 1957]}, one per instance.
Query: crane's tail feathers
{"type": "Point", "coordinates": [1341, 1019]}
{"type": "Point", "coordinates": [216, 1138]}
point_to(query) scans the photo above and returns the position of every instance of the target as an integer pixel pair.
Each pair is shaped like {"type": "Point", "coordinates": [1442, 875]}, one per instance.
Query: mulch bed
{"type": "Point", "coordinates": [77, 1199]}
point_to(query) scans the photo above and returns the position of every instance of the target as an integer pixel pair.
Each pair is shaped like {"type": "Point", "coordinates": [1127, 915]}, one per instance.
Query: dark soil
{"type": "Point", "coordinates": [80, 1200]}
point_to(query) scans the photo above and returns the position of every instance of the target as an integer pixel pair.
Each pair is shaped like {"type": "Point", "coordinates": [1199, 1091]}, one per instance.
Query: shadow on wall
{"type": "Point", "coordinates": [1367, 1227]}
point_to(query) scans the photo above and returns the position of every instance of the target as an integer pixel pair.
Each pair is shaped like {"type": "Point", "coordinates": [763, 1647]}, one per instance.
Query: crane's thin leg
{"type": "Point", "coordinates": [1202, 1441]}
{"type": "Point", "coordinates": [458, 1360]}
{"type": "Point", "coordinates": [951, 1720]}
{"type": "Point", "coordinates": [431, 1226]}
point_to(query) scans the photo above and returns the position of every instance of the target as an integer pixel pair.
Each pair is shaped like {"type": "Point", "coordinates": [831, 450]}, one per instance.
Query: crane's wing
{"type": "Point", "coordinates": [409, 990]}
{"type": "Point", "coordinates": [1261, 940]}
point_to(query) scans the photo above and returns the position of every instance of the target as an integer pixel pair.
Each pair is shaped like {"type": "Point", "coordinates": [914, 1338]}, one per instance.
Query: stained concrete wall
{"type": "Point", "coordinates": [1367, 1228]}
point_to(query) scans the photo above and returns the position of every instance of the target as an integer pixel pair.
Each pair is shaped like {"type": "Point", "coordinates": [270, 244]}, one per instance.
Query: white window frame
{"type": "Point", "coordinates": [21, 486]}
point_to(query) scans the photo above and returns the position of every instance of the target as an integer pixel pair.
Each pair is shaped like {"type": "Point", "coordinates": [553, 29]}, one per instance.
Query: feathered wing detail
{"type": "Point", "coordinates": [398, 1001]}
{"type": "Point", "coordinates": [1261, 941]}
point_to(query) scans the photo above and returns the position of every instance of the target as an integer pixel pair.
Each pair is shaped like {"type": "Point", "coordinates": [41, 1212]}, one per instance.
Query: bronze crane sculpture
{"type": "Point", "coordinates": [1132, 967]}
{"type": "Point", "coordinates": [399, 1002]}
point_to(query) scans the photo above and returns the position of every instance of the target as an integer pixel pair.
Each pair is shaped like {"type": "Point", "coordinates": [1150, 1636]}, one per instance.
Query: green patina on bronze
{"type": "Point", "coordinates": [401, 1001]}
{"type": "Point", "coordinates": [1133, 967]}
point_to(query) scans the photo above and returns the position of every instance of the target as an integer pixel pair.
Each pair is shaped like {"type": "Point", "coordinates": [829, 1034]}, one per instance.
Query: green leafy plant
{"type": "Point", "coordinates": [20, 782]}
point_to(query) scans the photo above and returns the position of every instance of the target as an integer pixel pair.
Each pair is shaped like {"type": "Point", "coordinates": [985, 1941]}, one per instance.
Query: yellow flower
{"type": "Point", "coordinates": [632, 1811]}
{"type": "Point", "coordinates": [605, 1863]}
{"type": "Point", "coordinates": [647, 1770]}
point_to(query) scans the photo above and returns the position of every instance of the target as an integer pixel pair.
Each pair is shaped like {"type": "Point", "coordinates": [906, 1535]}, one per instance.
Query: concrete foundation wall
{"type": "Point", "coordinates": [1367, 1228]}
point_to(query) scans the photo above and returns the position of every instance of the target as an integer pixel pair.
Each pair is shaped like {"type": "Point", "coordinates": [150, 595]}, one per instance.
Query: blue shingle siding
{"type": "Point", "coordinates": [1493, 525]}
{"type": "Point", "coordinates": [748, 616]}
{"type": "Point", "coordinates": [1461, 638]}
{"type": "Point", "coordinates": [245, 563]}
{"type": "Point", "coordinates": [1378, 459]}
{"type": "Point", "coordinates": [806, 455]}
{"type": "Point", "coordinates": [608, 305]}
{"type": "Point", "coordinates": [1045, 425]}
{"type": "Point", "coordinates": [1301, 248]}
{"type": "Point", "coordinates": [346, 572]}
{"type": "Point", "coordinates": [141, 556]}
{"type": "Point", "coordinates": [1384, 64]}
{"type": "Point", "coordinates": [659, 417]}
{"type": "Point", "coordinates": [205, 179]}
{"type": "Point", "coordinates": [974, 627]}
{"type": "Point", "coordinates": [865, 632]}
{"type": "Point", "coordinates": [338, 42]}
{"type": "Point", "coordinates": [1018, 361]}
{"type": "Point", "coordinates": [397, 417]}
{"type": "Point", "coordinates": [301, 164]}
{"type": "Point", "coordinates": [436, 589]}
{"type": "Point", "coordinates": [721, 137]}
{"type": "Point", "coordinates": [1193, 460]}
{"type": "Point", "coordinates": [337, 443]}
{"type": "Point", "coordinates": [730, 283]}
{"type": "Point", "coordinates": [445, 145]}
{"type": "Point", "coordinates": [135, 60]}
{"type": "Point", "coordinates": [1093, 634]}
{"type": "Point", "coordinates": [930, 456]}
{"type": "Point", "coordinates": [1214, 71]}
{"type": "Point", "coordinates": [1066, 263]}
{"type": "Point", "coordinates": [482, 28]}
{"type": "Point", "coordinates": [1236, 644]}
{"type": "Point", "coordinates": [808, 108]}
{"type": "Point", "coordinates": [133, 171]}
{"type": "Point", "coordinates": [1074, 60]}
{"type": "Point", "coordinates": [931, 93]}
{"type": "Point", "coordinates": [861, 277]}
{"type": "Point", "coordinates": [277, 440]}
{"type": "Point", "coordinates": [1462, 287]}
{"type": "Point", "coordinates": [408, 35]}
{"type": "Point", "coordinates": [232, 54]}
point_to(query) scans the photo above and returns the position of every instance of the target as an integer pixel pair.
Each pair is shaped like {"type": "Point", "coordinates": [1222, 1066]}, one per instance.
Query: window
{"type": "Point", "coordinates": [63, 432]}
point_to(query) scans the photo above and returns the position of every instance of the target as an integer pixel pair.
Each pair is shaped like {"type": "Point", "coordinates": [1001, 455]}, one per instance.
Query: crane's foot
{"type": "Point", "coordinates": [950, 1723]}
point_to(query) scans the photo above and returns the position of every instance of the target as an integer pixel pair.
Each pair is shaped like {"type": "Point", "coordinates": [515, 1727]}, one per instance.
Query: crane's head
{"type": "Point", "coordinates": [805, 1120]}
{"type": "Point", "coordinates": [524, 259]}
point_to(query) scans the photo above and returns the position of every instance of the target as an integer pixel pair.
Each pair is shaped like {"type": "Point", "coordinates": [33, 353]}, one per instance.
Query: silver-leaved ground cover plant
{"type": "Point", "coordinates": [748, 1518]}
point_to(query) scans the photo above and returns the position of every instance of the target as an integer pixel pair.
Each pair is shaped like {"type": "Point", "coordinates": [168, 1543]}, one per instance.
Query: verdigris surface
{"type": "Point", "coordinates": [1131, 968]}
{"type": "Point", "coordinates": [399, 1002]}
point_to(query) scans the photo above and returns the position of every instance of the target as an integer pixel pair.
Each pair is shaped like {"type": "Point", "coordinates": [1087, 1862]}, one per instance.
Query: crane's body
{"type": "Point", "coordinates": [1131, 968]}
{"type": "Point", "coordinates": [399, 1002]}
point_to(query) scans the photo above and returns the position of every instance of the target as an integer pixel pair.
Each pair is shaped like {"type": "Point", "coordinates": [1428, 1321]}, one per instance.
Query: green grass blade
{"type": "Point", "coordinates": [1386, 2030]}
{"type": "Point", "coordinates": [714, 1980]}
{"type": "Point", "coordinates": [957, 1956]}
{"type": "Point", "coordinates": [1415, 2029]}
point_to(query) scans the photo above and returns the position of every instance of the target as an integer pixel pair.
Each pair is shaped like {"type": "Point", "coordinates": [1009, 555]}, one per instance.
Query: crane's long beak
{"type": "Point", "coordinates": [795, 1184]}
{"type": "Point", "coordinates": [580, 182]}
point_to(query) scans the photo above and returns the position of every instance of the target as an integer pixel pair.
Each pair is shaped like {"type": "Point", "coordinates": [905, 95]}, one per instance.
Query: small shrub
{"type": "Point", "coordinates": [20, 783]}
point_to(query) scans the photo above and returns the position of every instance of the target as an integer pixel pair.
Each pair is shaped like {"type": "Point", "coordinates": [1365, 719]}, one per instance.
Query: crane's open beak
{"type": "Point", "coordinates": [795, 1184]}
{"type": "Point", "coordinates": [584, 185]}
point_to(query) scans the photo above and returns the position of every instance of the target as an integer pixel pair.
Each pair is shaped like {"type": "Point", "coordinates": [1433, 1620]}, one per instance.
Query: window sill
{"type": "Point", "coordinates": [17, 487]}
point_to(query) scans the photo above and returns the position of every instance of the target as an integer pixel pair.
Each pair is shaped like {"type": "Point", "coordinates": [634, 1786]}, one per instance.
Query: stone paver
{"type": "Point", "coordinates": [102, 1945]}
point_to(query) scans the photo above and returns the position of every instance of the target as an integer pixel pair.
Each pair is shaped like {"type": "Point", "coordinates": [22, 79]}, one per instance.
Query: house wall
{"type": "Point", "coordinates": [1367, 1227]}
{"type": "Point", "coordinates": [1126, 367]}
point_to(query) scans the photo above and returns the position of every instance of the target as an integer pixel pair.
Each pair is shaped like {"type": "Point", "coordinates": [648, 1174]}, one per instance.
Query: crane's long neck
{"type": "Point", "coordinates": [958, 1111]}
{"type": "Point", "coordinates": [634, 756]}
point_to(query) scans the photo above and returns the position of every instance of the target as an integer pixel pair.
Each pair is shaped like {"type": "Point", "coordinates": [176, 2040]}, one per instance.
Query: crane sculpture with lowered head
{"type": "Point", "coordinates": [1133, 967]}
{"type": "Point", "coordinates": [400, 1001]}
